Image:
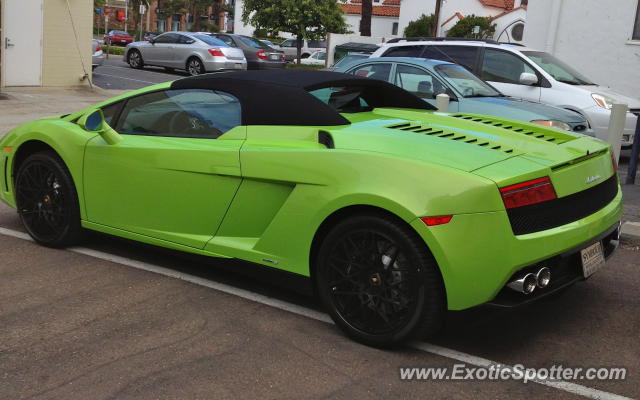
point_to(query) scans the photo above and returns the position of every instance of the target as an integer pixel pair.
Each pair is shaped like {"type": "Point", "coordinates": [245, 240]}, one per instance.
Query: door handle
{"type": "Point", "coordinates": [7, 43]}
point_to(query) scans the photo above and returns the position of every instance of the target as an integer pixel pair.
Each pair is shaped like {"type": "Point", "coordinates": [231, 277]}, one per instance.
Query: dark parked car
{"type": "Point", "coordinates": [258, 54]}
{"type": "Point", "coordinates": [118, 38]}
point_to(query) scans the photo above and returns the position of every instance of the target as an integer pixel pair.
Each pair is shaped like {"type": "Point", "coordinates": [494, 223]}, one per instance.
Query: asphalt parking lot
{"type": "Point", "coordinates": [102, 321]}
{"type": "Point", "coordinates": [117, 75]}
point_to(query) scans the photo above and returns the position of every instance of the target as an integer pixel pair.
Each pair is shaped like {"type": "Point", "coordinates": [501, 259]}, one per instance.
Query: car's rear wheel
{"type": "Point", "coordinates": [134, 58]}
{"type": "Point", "coordinates": [379, 282]}
{"type": "Point", "coordinates": [47, 200]}
{"type": "Point", "coordinates": [194, 66]}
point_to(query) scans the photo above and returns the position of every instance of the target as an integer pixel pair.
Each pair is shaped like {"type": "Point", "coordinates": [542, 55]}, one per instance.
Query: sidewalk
{"type": "Point", "coordinates": [20, 105]}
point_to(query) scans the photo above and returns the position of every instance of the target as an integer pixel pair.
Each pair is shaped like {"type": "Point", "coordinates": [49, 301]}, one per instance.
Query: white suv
{"type": "Point", "coordinates": [525, 73]}
{"type": "Point", "coordinates": [290, 49]}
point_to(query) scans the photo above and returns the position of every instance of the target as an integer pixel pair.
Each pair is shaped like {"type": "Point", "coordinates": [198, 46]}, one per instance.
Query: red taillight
{"type": "Point", "coordinates": [437, 220]}
{"type": "Point", "coordinates": [282, 58]}
{"type": "Point", "coordinates": [528, 193]}
{"type": "Point", "coordinates": [261, 55]}
{"type": "Point", "coordinates": [216, 52]}
{"type": "Point", "coordinates": [614, 162]}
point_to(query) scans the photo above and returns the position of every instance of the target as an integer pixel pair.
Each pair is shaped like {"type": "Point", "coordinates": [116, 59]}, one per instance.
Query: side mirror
{"type": "Point", "coordinates": [93, 121]}
{"type": "Point", "coordinates": [527, 78]}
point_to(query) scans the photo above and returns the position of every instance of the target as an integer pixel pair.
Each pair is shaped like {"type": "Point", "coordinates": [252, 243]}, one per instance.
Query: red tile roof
{"type": "Point", "coordinates": [502, 14]}
{"type": "Point", "coordinates": [506, 4]}
{"type": "Point", "coordinates": [458, 15]}
{"type": "Point", "coordinates": [378, 11]}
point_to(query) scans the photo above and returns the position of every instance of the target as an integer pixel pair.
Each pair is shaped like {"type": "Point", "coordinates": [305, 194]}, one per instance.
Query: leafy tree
{"type": "Point", "coordinates": [464, 27]}
{"type": "Point", "coordinates": [422, 27]}
{"type": "Point", "coordinates": [307, 19]}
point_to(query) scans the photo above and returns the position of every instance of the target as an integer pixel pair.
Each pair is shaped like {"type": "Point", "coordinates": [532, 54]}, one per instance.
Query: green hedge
{"type": "Point", "coordinates": [115, 50]}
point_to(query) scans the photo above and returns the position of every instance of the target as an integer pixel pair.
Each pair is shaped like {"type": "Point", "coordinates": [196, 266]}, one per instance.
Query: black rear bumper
{"type": "Point", "coordinates": [566, 269]}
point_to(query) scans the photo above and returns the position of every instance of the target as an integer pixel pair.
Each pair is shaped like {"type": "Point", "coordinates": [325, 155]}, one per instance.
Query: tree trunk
{"type": "Point", "coordinates": [365, 22]}
{"type": "Point", "coordinates": [299, 48]}
{"type": "Point", "coordinates": [436, 19]}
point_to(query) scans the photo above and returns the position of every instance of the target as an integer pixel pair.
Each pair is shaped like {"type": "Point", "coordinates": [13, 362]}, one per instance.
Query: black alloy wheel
{"type": "Point", "coordinates": [379, 281]}
{"type": "Point", "coordinates": [47, 201]}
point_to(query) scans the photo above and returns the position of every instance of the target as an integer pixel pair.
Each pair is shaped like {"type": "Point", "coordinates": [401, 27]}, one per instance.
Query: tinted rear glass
{"type": "Point", "coordinates": [211, 40]}
{"type": "Point", "coordinates": [251, 42]}
{"type": "Point", "coordinates": [317, 44]}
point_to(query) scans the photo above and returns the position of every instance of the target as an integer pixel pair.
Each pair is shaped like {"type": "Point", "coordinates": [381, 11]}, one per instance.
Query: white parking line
{"type": "Point", "coordinates": [143, 71]}
{"type": "Point", "coordinates": [309, 313]}
{"type": "Point", "coordinates": [122, 77]}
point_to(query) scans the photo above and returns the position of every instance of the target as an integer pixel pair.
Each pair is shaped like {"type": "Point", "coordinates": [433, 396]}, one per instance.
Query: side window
{"type": "Point", "coordinates": [379, 71]}
{"type": "Point", "coordinates": [110, 112]}
{"type": "Point", "coordinates": [500, 66]}
{"type": "Point", "coordinates": [192, 113]}
{"type": "Point", "coordinates": [317, 44]}
{"type": "Point", "coordinates": [288, 43]}
{"type": "Point", "coordinates": [462, 55]}
{"type": "Point", "coordinates": [167, 38]}
{"type": "Point", "coordinates": [404, 51]}
{"type": "Point", "coordinates": [418, 81]}
{"type": "Point", "coordinates": [185, 40]}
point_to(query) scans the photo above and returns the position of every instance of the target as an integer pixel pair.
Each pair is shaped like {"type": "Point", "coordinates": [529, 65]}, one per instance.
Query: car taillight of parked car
{"type": "Point", "coordinates": [528, 193]}
{"type": "Point", "coordinates": [261, 55]}
{"type": "Point", "coordinates": [282, 57]}
{"type": "Point", "coordinates": [216, 52]}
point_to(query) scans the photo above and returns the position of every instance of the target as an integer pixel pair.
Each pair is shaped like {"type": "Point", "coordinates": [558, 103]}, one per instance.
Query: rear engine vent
{"type": "Point", "coordinates": [557, 138]}
{"type": "Point", "coordinates": [451, 135]}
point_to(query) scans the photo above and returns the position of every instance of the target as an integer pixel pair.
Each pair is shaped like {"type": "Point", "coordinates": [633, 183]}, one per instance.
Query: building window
{"type": "Point", "coordinates": [394, 28]}
{"type": "Point", "coordinates": [161, 25]}
{"type": "Point", "coordinates": [517, 32]}
{"type": "Point", "coordinates": [636, 27]}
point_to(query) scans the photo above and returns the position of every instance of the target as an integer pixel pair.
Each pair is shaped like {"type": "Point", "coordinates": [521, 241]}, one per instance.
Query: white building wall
{"type": "Point", "coordinates": [411, 10]}
{"type": "Point", "coordinates": [380, 26]}
{"type": "Point", "coordinates": [505, 23]}
{"type": "Point", "coordinates": [464, 7]}
{"type": "Point", "coordinates": [593, 36]}
{"type": "Point", "coordinates": [238, 26]}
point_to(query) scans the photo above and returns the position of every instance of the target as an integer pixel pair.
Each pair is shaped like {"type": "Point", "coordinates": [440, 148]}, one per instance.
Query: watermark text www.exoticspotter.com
{"type": "Point", "coordinates": [499, 372]}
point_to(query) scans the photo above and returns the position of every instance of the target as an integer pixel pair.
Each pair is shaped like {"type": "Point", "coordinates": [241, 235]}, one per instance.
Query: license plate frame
{"type": "Point", "coordinates": [237, 66]}
{"type": "Point", "coordinates": [592, 259]}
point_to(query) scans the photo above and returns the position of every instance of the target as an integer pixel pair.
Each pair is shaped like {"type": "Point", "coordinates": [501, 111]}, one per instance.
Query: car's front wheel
{"type": "Point", "coordinates": [195, 67]}
{"type": "Point", "coordinates": [47, 201]}
{"type": "Point", "coordinates": [134, 58]}
{"type": "Point", "coordinates": [379, 282]}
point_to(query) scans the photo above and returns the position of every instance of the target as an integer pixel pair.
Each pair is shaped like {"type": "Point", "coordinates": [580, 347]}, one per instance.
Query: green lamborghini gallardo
{"type": "Point", "coordinates": [395, 213]}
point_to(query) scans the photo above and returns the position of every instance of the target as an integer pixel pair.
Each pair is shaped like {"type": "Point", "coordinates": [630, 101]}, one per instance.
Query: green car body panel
{"type": "Point", "coordinates": [269, 189]}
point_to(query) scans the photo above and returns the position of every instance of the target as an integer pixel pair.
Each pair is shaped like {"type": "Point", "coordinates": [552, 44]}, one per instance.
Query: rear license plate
{"type": "Point", "coordinates": [274, 57]}
{"type": "Point", "coordinates": [123, 41]}
{"type": "Point", "coordinates": [592, 259]}
{"type": "Point", "coordinates": [237, 66]}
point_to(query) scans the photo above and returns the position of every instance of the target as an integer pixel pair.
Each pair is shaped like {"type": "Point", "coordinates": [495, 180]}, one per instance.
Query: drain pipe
{"type": "Point", "coordinates": [442, 102]}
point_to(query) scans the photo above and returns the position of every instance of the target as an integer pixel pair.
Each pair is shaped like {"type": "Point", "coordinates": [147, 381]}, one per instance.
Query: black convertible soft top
{"type": "Point", "coordinates": [281, 97]}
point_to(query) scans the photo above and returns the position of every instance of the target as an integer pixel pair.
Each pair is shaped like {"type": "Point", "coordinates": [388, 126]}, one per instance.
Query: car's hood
{"type": "Point", "coordinates": [509, 107]}
{"type": "Point", "coordinates": [617, 96]}
{"type": "Point", "coordinates": [466, 142]}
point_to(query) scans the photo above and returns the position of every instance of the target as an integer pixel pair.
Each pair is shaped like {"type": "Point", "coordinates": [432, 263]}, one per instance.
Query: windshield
{"type": "Point", "coordinates": [465, 82]}
{"type": "Point", "coordinates": [210, 40]}
{"type": "Point", "coordinates": [557, 69]}
{"type": "Point", "coordinates": [350, 58]}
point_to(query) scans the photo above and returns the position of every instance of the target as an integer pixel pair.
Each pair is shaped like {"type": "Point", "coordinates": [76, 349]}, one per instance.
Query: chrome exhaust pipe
{"type": "Point", "coordinates": [527, 284]}
{"type": "Point", "coordinates": [543, 277]}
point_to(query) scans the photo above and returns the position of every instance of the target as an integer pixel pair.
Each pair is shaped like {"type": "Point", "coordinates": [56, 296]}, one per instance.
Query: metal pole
{"type": "Point", "coordinates": [635, 153]}
{"type": "Point", "coordinates": [126, 14]}
{"type": "Point", "coordinates": [442, 102]}
{"type": "Point", "coordinates": [616, 127]}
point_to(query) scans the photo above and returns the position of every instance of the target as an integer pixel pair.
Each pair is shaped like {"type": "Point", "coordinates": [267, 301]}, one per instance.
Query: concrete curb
{"type": "Point", "coordinates": [631, 232]}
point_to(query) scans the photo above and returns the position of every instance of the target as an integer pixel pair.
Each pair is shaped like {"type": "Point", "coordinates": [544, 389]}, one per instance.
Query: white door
{"type": "Point", "coordinates": [22, 43]}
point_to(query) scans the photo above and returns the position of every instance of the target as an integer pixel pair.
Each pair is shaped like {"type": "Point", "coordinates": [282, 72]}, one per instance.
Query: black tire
{"type": "Point", "coordinates": [134, 59]}
{"type": "Point", "coordinates": [379, 282]}
{"type": "Point", "coordinates": [194, 66]}
{"type": "Point", "coordinates": [47, 200]}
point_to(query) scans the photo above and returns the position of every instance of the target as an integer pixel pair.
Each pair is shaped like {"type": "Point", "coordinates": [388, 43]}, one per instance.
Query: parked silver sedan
{"type": "Point", "coordinates": [196, 53]}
